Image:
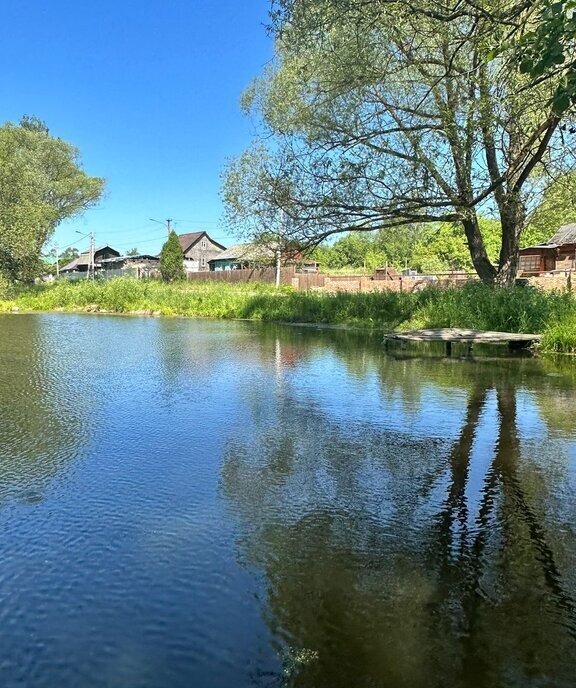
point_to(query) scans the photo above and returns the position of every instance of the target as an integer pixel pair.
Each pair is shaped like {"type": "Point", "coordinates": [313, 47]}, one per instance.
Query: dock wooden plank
{"type": "Point", "coordinates": [452, 335]}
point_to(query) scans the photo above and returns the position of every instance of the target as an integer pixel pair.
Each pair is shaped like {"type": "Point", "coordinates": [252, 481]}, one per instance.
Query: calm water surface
{"type": "Point", "coordinates": [209, 504]}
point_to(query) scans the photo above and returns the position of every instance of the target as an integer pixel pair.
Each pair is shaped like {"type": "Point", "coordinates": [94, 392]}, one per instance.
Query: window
{"type": "Point", "coordinates": [203, 261]}
{"type": "Point", "coordinates": [530, 263]}
{"type": "Point", "coordinates": [203, 244]}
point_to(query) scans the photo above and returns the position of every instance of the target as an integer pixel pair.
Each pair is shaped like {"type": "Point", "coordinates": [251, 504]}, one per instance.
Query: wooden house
{"type": "Point", "coordinates": [199, 249]}
{"type": "Point", "coordinates": [80, 265]}
{"type": "Point", "coordinates": [242, 256]}
{"type": "Point", "coordinates": [557, 254]}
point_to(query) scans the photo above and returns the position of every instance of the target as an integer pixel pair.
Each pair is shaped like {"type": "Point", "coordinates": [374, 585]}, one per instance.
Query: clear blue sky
{"type": "Point", "coordinates": [149, 92]}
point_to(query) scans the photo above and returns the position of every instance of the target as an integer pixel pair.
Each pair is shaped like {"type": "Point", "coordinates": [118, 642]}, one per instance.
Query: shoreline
{"type": "Point", "coordinates": [474, 306]}
{"type": "Point", "coordinates": [341, 327]}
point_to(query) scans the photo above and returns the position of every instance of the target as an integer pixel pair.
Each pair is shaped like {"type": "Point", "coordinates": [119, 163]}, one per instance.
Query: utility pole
{"type": "Point", "coordinates": [167, 223]}
{"type": "Point", "coordinates": [57, 254]}
{"type": "Point", "coordinates": [91, 267]}
{"type": "Point", "coordinates": [278, 244]}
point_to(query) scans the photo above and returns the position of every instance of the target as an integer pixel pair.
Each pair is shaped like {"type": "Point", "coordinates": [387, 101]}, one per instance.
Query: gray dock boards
{"type": "Point", "coordinates": [453, 335]}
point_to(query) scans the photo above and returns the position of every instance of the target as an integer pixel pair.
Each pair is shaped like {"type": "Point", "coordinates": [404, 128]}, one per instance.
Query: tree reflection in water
{"type": "Point", "coordinates": [394, 559]}
{"type": "Point", "coordinates": [44, 408]}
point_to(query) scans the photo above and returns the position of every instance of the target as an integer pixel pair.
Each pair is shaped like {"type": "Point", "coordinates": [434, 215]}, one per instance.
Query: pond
{"type": "Point", "coordinates": [228, 504]}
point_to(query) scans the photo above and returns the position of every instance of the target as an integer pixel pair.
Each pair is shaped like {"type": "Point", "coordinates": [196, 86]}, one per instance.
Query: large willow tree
{"type": "Point", "coordinates": [381, 113]}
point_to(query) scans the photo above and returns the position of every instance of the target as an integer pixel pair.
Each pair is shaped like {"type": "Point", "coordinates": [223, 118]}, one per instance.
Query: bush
{"type": "Point", "coordinates": [560, 335]}
{"type": "Point", "coordinates": [6, 287]}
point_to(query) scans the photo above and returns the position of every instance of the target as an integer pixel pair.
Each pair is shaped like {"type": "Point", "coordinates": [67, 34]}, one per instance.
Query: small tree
{"type": "Point", "coordinates": [172, 259]}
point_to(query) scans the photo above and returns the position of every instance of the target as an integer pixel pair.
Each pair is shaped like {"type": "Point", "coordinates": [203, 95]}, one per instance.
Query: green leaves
{"type": "Point", "coordinates": [41, 184]}
{"type": "Point", "coordinates": [549, 46]}
{"type": "Point", "coordinates": [172, 259]}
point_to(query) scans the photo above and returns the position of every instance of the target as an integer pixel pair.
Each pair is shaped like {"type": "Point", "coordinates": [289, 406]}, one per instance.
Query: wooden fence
{"type": "Point", "coordinates": [266, 275]}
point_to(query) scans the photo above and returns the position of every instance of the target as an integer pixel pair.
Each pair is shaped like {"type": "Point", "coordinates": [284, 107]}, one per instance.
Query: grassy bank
{"type": "Point", "coordinates": [475, 306]}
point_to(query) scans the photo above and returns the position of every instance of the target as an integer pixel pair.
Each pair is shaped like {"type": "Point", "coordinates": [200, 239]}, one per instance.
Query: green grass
{"type": "Point", "coordinates": [473, 306]}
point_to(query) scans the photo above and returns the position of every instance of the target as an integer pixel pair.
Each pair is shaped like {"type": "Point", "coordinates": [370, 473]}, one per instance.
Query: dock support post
{"type": "Point", "coordinates": [448, 348]}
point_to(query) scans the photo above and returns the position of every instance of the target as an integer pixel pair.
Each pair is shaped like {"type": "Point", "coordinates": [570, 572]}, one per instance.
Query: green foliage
{"type": "Point", "coordinates": [477, 306]}
{"type": "Point", "coordinates": [133, 252]}
{"type": "Point", "coordinates": [558, 208]}
{"type": "Point", "coordinates": [6, 287]}
{"type": "Point", "coordinates": [382, 115]}
{"type": "Point", "coordinates": [546, 50]}
{"type": "Point", "coordinates": [560, 334]}
{"type": "Point", "coordinates": [430, 248]}
{"type": "Point", "coordinates": [41, 184]}
{"type": "Point", "coordinates": [68, 256]}
{"type": "Point", "coordinates": [172, 259]}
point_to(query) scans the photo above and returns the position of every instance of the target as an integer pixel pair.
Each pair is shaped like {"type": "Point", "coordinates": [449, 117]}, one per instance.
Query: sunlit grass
{"type": "Point", "coordinates": [477, 306]}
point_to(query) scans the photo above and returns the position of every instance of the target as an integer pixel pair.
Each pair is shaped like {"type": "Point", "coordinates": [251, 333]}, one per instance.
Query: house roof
{"type": "Point", "coordinates": [139, 256]}
{"type": "Point", "coordinates": [188, 240]}
{"type": "Point", "coordinates": [72, 265]}
{"type": "Point", "coordinates": [539, 246]}
{"type": "Point", "coordinates": [84, 258]}
{"type": "Point", "coordinates": [244, 252]}
{"type": "Point", "coordinates": [565, 235]}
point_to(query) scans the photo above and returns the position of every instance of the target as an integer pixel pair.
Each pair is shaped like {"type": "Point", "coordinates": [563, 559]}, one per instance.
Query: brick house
{"type": "Point", "coordinates": [198, 249]}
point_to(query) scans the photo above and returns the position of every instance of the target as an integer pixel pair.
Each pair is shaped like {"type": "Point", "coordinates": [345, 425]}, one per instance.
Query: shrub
{"type": "Point", "coordinates": [171, 259]}
{"type": "Point", "coordinates": [5, 286]}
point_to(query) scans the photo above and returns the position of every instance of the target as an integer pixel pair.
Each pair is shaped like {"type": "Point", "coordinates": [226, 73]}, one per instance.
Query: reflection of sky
{"type": "Point", "coordinates": [327, 383]}
{"type": "Point", "coordinates": [186, 421]}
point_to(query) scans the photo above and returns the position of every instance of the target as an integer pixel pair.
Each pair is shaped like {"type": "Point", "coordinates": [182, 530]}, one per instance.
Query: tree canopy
{"type": "Point", "coordinates": [41, 183]}
{"type": "Point", "coordinates": [558, 207]}
{"type": "Point", "coordinates": [378, 115]}
{"type": "Point", "coordinates": [428, 248]}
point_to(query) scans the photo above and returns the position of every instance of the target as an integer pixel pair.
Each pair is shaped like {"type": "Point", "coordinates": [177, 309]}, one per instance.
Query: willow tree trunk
{"type": "Point", "coordinates": [482, 264]}
{"type": "Point", "coordinates": [512, 218]}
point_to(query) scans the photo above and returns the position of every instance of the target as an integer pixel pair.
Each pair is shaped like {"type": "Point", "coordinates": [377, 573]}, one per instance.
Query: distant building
{"type": "Point", "coordinates": [139, 266]}
{"type": "Point", "coordinates": [246, 256]}
{"type": "Point", "coordinates": [79, 265]}
{"type": "Point", "coordinates": [556, 254]}
{"type": "Point", "coordinates": [199, 249]}
{"type": "Point", "coordinates": [242, 256]}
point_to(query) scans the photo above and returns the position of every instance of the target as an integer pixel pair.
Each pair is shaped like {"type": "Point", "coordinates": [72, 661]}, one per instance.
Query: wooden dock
{"type": "Point", "coordinates": [453, 335]}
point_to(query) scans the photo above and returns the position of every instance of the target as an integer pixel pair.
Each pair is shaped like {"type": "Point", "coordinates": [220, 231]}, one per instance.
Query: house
{"type": "Point", "coordinates": [242, 256]}
{"type": "Point", "coordinates": [199, 249]}
{"type": "Point", "coordinates": [556, 254]}
{"type": "Point", "coordinates": [246, 256]}
{"type": "Point", "coordinates": [139, 266]}
{"type": "Point", "coordinates": [79, 265]}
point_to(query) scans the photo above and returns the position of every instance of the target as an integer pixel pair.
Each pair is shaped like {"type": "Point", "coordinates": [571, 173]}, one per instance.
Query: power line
{"type": "Point", "coordinates": [146, 241]}
{"type": "Point", "coordinates": [75, 242]}
{"type": "Point", "coordinates": [167, 223]}
{"type": "Point", "coordinates": [130, 231]}
{"type": "Point", "coordinates": [198, 222]}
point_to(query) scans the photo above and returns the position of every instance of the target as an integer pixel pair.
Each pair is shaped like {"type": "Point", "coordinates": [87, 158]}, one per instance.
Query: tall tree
{"type": "Point", "coordinates": [41, 183]}
{"type": "Point", "coordinates": [172, 259]}
{"type": "Point", "coordinates": [381, 114]}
